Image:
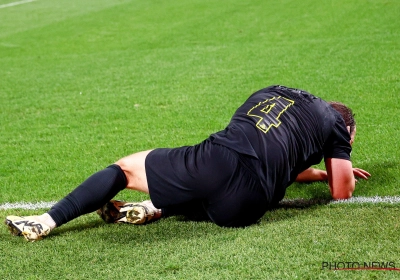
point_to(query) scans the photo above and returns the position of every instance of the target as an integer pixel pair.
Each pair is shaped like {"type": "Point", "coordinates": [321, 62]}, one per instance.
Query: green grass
{"type": "Point", "coordinates": [83, 83]}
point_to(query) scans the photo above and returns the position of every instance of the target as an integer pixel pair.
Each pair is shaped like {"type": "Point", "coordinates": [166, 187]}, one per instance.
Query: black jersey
{"type": "Point", "coordinates": [284, 131]}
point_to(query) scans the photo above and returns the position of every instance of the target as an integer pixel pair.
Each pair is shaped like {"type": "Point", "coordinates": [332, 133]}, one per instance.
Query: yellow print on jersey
{"type": "Point", "coordinates": [269, 111]}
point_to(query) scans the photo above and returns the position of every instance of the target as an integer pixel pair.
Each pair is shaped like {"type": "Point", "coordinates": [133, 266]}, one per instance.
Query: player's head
{"type": "Point", "coordinates": [348, 117]}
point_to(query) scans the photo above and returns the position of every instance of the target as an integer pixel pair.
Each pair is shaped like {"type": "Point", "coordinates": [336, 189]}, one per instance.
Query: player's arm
{"type": "Point", "coordinates": [312, 175]}
{"type": "Point", "coordinates": [340, 177]}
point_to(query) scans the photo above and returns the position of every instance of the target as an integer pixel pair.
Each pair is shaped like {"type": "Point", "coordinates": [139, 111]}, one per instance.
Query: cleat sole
{"type": "Point", "coordinates": [136, 215]}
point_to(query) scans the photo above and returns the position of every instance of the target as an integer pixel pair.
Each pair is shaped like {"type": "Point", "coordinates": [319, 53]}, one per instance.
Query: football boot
{"type": "Point", "coordinates": [29, 227]}
{"type": "Point", "coordinates": [138, 213]}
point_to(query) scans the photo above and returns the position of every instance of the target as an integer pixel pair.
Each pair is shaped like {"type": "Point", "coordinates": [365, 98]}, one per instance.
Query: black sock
{"type": "Point", "coordinates": [92, 194]}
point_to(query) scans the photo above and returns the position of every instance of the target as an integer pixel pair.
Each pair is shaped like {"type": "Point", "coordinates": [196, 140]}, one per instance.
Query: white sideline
{"type": "Point", "coordinates": [15, 3]}
{"type": "Point", "coordinates": [27, 205]}
{"type": "Point", "coordinates": [353, 200]}
{"type": "Point", "coordinates": [373, 199]}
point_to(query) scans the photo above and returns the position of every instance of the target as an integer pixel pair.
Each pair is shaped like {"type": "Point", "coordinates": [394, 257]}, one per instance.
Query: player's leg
{"type": "Point", "coordinates": [177, 179]}
{"type": "Point", "coordinates": [134, 169]}
{"type": "Point", "coordinates": [238, 209]}
{"type": "Point", "coordinates": [144, 212]}
{"type": "Point", "coordinates": [206, 173]}
{"type": "Point", "coordinates": [92, 194]}
{"type": "Point", "coordinates": [241, 203]}
{"type": "Point", "coordinates": [115, 211]}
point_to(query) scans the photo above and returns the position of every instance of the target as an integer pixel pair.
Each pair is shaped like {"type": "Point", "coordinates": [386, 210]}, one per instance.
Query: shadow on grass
{"type": "Point", "coordinates": [181, 226]}
{"type": "Point", "coordinates": [78, 225]}
{"type": "Point", "coordinates": [293, 208]}
{"type": "Point", "coordinates": [301, 203]}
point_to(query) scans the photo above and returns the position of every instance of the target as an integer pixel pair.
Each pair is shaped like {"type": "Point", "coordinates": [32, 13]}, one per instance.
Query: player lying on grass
{"type": "Point", "coordinates": [232, 178]}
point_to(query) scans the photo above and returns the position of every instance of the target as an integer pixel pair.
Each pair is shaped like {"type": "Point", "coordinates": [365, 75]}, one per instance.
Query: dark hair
{"type": "Point", "coordinates": [346, 113]}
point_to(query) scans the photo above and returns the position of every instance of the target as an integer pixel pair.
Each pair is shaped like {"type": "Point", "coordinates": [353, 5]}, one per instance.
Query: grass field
{"type": "Point", "coordinates": [83, 83]}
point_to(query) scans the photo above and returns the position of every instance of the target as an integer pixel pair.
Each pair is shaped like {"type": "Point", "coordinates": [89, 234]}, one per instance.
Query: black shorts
{"type": "Point", "coordinates": [230, 193]}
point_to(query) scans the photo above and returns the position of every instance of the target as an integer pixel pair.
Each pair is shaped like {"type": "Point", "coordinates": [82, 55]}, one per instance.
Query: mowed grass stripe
{"type": "Point", "coordinates": [15, 3]}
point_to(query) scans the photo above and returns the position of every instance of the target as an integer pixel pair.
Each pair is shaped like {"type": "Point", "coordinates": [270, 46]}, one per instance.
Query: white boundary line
{"type": "Point", "coordinates": [15, 3]}
{"type": "Point", "coordinates": [27, 205]}
{"type": "Point", "coordinates": [374, 199]}
{"type": "Point", "coordinates": [353, 200]}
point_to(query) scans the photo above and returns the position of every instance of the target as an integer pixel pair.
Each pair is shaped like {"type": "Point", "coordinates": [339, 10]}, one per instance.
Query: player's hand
{"type": "Point", "coordinates": [360, 173]}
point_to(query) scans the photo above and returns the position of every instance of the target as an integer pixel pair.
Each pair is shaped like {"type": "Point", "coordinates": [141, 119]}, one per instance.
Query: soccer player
{"type": "Point", "coordinates": [233, 177]}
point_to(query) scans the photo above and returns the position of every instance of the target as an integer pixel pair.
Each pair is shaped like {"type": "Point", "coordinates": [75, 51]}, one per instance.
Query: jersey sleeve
{"type": "Point", "coordinates": [338, 143]}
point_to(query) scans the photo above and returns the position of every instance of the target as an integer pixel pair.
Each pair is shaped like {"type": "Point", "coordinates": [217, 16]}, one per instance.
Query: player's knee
{"type": "Point", "coordinates": [134, 168]}
{"type": "Point", "coordinates": [132, 162]}
{"type": "Point", "coordinates": [122, 163]}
